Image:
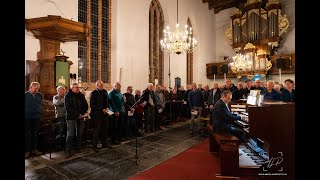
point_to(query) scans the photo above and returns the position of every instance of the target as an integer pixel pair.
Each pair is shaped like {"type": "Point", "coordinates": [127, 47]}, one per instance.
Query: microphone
{"type": "Point", "coordinates": [138, 99]}
{"type": "Point", "coordinates": [143, 93]}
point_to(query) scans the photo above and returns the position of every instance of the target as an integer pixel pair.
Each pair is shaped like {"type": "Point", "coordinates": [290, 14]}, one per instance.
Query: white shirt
{"type": "Point", "coordinates": [227, 106]}
{"type": "Point", "coordinates": [151, 100]}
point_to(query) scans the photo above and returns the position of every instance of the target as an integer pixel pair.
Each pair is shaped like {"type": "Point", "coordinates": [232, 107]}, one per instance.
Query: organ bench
{"type": "Point", "coordinates": [228, 149]}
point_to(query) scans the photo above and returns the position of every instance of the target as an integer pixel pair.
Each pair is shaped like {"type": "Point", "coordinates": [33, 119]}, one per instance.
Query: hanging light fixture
{"type": "Point", "coordinates": [249, 62]}
{"type": "Point", "coordinates": [178, 41]}
{"type": "Point", "coordinates": [241, 65]}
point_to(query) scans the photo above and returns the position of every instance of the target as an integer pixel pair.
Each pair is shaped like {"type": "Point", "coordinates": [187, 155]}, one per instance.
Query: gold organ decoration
{"type": "Point", "coordinates": [254, 32]}
{"type": "Point", "coordinates": [228, 33]}
{"type": "Point", "coordinates": [283, 24]}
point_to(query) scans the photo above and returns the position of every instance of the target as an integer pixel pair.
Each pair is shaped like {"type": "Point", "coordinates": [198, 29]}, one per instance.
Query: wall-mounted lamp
{"type": "Point", "coordinates": [73, 78]}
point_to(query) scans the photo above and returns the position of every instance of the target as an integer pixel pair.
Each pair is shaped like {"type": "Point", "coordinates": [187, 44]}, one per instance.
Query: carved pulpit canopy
{"type": "Point", "coordinates": [57, 28]}
{"type": "Point", "coordinates": [51, 31]}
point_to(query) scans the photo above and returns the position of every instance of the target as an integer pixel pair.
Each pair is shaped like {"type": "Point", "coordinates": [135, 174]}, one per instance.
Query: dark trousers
{"type": "Point", "coordinates": [32, 126]}
{"type": "Point", "coordinates": [188, 110]}
{"type": "Point", "coordinates": [74, 129]}
{"type": "Point", "coordinates": [174, 110]}
{"type": "Point", "coordinates": [116, 126]}
{"type": "Point", "coordinates": [167, 112]}
{"type": "Point", "coordinates": [158, 119]}
{"type": "Point", "coordinates": [124, 125]}
{"type": "Point", "coordinates": [149, 116]}
{"type": "Point", "coordinates": [131, 126]}
{"type": "Point", "coordinates": [138, 119]}
{"type": "Point", "coordinates": [100, 123]}
{"type": "Point", "coordinates": [185, 108]}
{"type": "Point", "coordinates": [238, 133]}
{"type": "Point", "coordinates": [62, 126]}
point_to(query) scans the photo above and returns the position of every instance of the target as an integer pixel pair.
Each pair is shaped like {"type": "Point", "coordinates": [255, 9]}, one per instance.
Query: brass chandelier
{"type": "Point", "coordinates": [178, 41]}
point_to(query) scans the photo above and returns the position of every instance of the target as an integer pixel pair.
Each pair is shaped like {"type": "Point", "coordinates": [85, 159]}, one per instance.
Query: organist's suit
{"type": "Point", "coordinates": [222, 119]}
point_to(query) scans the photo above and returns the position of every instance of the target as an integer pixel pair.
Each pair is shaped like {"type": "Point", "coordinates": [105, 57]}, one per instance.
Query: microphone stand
{"type": "Point", "coordinates": [136, 129]}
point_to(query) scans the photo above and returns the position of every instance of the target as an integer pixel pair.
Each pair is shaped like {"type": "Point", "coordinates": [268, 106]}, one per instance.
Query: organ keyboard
{"type": "Point", "coordinates": [242, 124]}
{"type": "Point", "coordinates": [269, 135]}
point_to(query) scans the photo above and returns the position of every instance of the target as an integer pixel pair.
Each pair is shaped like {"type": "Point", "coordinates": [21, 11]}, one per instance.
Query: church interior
{"type": "Point", "coordinates": [160, 89]}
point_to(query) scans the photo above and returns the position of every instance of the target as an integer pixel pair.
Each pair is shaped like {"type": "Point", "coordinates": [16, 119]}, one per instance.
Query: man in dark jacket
{"type": "Point", "coordinates": [223, 118]}
{"type": "Point", "coordinates": [77, 107]}
{"type": "Point", "coordinates": [270, 92]}
{"type": "Point", "coordinates": [231, 87]}
{"type": "Point", "coordinates": [249, 87]}
{"type": "Point", "coordinates": [214, 96]}
{"type": "Point", "coordinates": [149, 103]}
{"type": "Point", "coordinates": [195, 98]}
{"type": "Point", "coordinates": [99, 104]}
{"type": "Point", "coordinates": [32, 109]}
{"type": "Point", "coordinates": [138, 112]}
{"type": "Point", "coordinates": [288, 94]}
{"type": "Point", "coordinates": [128, 104]}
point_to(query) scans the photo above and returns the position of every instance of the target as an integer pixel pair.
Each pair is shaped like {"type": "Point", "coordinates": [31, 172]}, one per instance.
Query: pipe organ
{"type": "Point", "coordinates": [259, 24]}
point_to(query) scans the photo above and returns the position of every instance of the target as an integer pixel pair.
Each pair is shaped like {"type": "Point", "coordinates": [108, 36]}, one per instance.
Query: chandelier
{"type": "Point", "coordinates": [241, 64]}
{"type": "Point", "coordinates": [250, 62]}
{"type": "Point", "coordinates": [179, 41]}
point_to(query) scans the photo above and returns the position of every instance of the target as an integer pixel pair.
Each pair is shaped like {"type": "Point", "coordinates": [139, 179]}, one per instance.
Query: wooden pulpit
{"type": "Point", "coordinates": [51, 31]}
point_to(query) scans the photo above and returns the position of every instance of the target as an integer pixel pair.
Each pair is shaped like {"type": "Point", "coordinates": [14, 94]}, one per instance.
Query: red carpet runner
{"type": "Point", "coordinates": [195, 163]}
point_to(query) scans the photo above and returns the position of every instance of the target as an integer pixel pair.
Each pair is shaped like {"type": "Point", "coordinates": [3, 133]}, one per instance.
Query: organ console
{"type": "Point", "coordinates": [270, 139]}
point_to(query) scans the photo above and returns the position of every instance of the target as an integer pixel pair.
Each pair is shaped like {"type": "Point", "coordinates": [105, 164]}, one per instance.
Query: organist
{"type": "Point", "coordinates": [222, 117]}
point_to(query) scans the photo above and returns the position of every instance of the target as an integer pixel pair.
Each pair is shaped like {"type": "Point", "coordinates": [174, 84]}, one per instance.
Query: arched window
{"type": "Point", "coordinates": [94, 55]}
{"type": "Point", "coordinates": [190, 60]}
{"type": "Point", "coordinates": [156, 22]}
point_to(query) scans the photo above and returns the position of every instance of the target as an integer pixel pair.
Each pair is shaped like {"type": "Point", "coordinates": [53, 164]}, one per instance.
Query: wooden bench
{"type": "Point", "coordinates": [228, 149]}
{"type": "Point", "coordinates": [203, 129]}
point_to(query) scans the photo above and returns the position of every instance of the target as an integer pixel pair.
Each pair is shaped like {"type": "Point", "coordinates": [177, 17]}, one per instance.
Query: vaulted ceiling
{"type": "Point", "coordinates": [219, 5]}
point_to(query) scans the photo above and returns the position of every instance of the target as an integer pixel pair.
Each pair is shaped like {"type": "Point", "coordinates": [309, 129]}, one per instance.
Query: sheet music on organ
{"type": "Point", "coordinates": [253, 97]}
{"type": "Point", "coordinates": [238, 109]}
{"type": "Point", "coordinates": [238, 106]}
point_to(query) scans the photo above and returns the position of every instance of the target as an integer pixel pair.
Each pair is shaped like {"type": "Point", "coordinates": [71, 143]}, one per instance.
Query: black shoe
{"type": "Point", "coordinates": [115, 143]}
{"type": "Point", "coordinates": [77, 150]}
{"type": "Point", "coordinates": [36, 152]}
{"type": "Point", "coordinates": [68, 154]}
{"type": "Point", "coordinates": [106, 146]}
{"type": "Point", "coordinates": [27, 155]}
{"type": "Point", "coordinates": [139, 134]}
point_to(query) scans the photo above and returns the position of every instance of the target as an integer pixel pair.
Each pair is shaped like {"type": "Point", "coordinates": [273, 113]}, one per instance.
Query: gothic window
{"type": "Point", "coordinates": [94, 55]}
{"type": "Point", "coordinates": [189, 60]}
{"type": "Point", "coordinates": [156, 22]}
